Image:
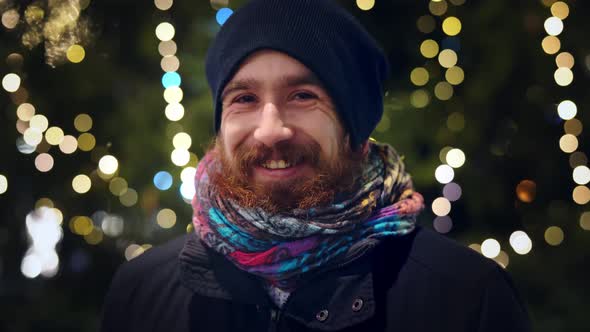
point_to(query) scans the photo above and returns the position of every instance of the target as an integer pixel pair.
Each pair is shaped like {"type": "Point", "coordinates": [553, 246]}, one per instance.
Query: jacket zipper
{"type": "Point", "coordinates": [275, 316]}
{"type": "Point", "coordinates": [277, 312]}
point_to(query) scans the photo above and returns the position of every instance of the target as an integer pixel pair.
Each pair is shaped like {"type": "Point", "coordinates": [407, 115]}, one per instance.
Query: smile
{"type": "Point", "coordinates": [280, 170]}
{"type": "Point", "coordinates": [276, 164]}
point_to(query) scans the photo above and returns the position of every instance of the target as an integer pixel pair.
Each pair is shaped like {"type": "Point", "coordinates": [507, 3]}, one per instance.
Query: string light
{"type": "Point", "coordinates": [38, 135]}
{"type": "Point", "coordinates": [182, 141]}
{"type": "Point", "coordinates": [554, 235]}
{"type": "Point", "coordinates": [44, 162]}
{"type": "Point", "coordinates": [441, 206]}
{"type": "Point", "coordinates": [133, 250]}
{"type": "Point", "coordinates": [455, 158]}
{"type": "Point", "coordinates": [163, 180]}
{"type": "Point", "coordinates": [112, 225]}
{"type": "Point", "coordinates": [188, 174]}
{"type": "Point", "coordinates": [581, 174]}
{"type": "Point", "coordinates": [551, 44]}
{"type": "Point", "coordinates": [11, 82]}
{"type": "Point", "coordinates": [585, 221]}
{"type": "Point", "coordinates": [444, 174]}
{"type": "Point", "coordinates": [163, 4]}
{"type": "Point", "coordinates": [564, 59]}
{"type": "Point", "coordinates": [54, 136]}
{"type": "Point", "coordinates": [35, 126]}
{"type": "Point", "coordinates": [222, 15]}
{"type": "Point", "coordinates": [429, 48]}
{"type": "Point", "coordinates": [451, 26]}
{"type": "Point", "coordinates": [438, 8]}
{"type": "Point", "coordinates": [75, 53]}
{"type": "Point", "coordinates": [567, 110]}
{"type": "Point", "coordinates": [108, 164]}
{"type": "Point", "coordinates": [520, 242]}
{"type": "Point", "coordinates": [180, 157]}
{"type": "Point", "coordinates": [81, 184]}
{"type": "Point", "coordinates": [3, 184]}
{"type": "Point", "coordinates": [10, 19]}
{"type": "Point", "coordinates": [174, 112]}
{"type": "Point", "coordinates": [167, 48]}
{"type": "Point", "coordinates": [45, 232]}
{"type": "Point", "coordinates": [118, 186]}
{"type": "Point", "coordinates": [502, 259]}
{"type": "Point", "coordinates": [165, 31]}
{"type": "Point", "coordinates": [560, 10]}
{"type": "Point", "coordinates": [187, 190]}
{"type": "Point", "coordinates": [490, 248]}
{"type": "Point", "coordinates": [166, 218]}
{"type": "Point", "coordinates": [129, 197]}
{"type": "Point", "coordinates": [445, 55]}
{"type": "Point", "coordinates": [553, 26]}
{"type": "Point", "coordinates": [447, 58]}
{"type": "Point", "coordinates": [419, 76]}
{"type": "Point", "coordinates": [86, 142]}
{"type": "Point", "coordinates": [365, 4]}
{"type": "Point", "coordinates": [173, 93]}
{"type": "Point", "coordinates": [419, 98]}
{"type": "Point", "coordinates": [83, 122]}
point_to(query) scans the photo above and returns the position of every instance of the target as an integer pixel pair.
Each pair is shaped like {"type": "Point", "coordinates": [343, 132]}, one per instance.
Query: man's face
{"type": "Point", "coordinates": [280, 138]}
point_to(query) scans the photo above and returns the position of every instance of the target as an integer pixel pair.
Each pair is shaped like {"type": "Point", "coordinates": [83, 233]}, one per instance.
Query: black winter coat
{"type": "Point", "coordinates": [421, 282]}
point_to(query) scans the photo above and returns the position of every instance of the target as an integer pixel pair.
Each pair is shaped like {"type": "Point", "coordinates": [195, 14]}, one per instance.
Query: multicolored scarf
{"type": "Point", "coordinates": [279, 247]}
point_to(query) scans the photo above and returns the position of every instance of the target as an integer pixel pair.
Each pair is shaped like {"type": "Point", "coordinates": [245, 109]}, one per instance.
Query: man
{"type": "Point", "coordinates": [301, 222]}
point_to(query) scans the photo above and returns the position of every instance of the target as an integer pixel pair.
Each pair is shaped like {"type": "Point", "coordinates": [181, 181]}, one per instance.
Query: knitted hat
{"type": "Point", "coordinates": [321, 35]}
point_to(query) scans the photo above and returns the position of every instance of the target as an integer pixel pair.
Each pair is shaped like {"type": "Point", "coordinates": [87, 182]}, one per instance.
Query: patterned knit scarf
{"type": "Point", "coordinates": [279, 247]}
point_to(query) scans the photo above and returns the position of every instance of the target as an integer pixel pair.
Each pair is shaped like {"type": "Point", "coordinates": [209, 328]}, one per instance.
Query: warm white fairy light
{"type": "Point", "coordinates": [34, 127]}
{"type": "Point", "coordinates": [553, 26]}
{"type": "Point", "coordinates": [43, 225]}
{"type": "Point", "coordinates": [520, 242]}
{"type": "Point", "coordinates": [581, 174]}
{"type": "Point", "coordinates": [444, 54]}
{"type": "Point", "coordinates": [490, 248]}
{"type": "Point", "coordinates": [45, 232]}
{"type": "Point", "coordinates": [11, 82]}
{"type": "Point", "coordinates": [173, 93]}
{"type": "Point", "coordinates": [108, 164]}
{"type": "Point", "coordinates": [165, 31]}
{"type": "Point", "coordinates": [566, 109]}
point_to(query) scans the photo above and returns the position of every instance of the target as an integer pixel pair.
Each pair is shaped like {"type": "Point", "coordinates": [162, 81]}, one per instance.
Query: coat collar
{"type": "Point", "coordinates": [337, 291]}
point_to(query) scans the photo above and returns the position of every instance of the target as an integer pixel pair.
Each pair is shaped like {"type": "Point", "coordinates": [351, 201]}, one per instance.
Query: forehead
{"type": "Point", "coordinates": [272, 65]}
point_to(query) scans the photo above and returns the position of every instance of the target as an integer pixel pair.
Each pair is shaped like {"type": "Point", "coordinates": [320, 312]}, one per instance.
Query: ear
{"type": "Point", "coordinates": [365, 148]}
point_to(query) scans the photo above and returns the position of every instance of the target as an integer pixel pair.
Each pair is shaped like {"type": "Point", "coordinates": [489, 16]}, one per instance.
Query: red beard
{"type": "Point", "coordinates": [235, 180]}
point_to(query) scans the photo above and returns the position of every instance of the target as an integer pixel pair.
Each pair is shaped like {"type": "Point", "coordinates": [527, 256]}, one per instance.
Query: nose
{"type": "Point", "coordinates": [271, 128]}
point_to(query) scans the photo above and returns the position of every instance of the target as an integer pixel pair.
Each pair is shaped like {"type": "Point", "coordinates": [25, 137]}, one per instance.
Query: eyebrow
{"type": "Point", "coordinates": [285, 81]}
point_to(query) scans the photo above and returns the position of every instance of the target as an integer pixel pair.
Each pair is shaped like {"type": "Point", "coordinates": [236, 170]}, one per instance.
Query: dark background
{"type": "Point", "coordinates": [508, 100]}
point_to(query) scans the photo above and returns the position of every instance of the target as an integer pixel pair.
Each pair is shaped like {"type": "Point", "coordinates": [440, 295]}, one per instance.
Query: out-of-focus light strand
{"type": "Point", "coordinates": [567, 110]}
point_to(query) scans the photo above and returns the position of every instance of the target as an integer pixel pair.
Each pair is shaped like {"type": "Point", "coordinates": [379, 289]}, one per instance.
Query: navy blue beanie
{"type": "Point", "coordinates": [321, 35]}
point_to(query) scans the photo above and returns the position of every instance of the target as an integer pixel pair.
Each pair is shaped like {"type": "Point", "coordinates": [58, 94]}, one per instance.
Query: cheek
{"type": "Point", "coordinates": [323, 129]}
{"type": "Point", "coordinates": [234, 131]}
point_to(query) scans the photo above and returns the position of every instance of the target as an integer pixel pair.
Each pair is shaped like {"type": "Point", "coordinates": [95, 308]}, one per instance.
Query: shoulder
{"type": "Point", "coordinates": [132, 287]}
{"type": "Point", "coordinates": [157, 260]}
{"type": "Point", "coordinates": [469, 277]}
{"type": "Point", "coordinates": [447, 258]}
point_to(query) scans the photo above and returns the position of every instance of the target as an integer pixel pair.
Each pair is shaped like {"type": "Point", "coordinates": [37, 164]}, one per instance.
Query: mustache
{"type": "Point", "coordinates": [292, 153]}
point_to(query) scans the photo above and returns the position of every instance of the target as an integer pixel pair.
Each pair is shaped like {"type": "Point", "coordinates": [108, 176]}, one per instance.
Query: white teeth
{"type": "Point", "coordinates": [276, 164]}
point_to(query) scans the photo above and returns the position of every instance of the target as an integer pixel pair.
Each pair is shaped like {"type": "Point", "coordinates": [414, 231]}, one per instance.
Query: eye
{"type": "Point", "coordinates": [304, 96]}
{"type": "Point", "coordinates": [244, 99]}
